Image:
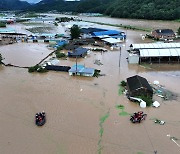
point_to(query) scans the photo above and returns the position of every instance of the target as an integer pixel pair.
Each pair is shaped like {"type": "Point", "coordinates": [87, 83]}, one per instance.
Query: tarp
{"type": "Point", "coordinates": [108, 32]}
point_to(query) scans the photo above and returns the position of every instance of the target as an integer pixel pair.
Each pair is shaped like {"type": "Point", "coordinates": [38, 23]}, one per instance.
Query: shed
{"type": "Point", "coordinates": [79, 52]}
{"type": "Point", "coordinates": [138, 86]}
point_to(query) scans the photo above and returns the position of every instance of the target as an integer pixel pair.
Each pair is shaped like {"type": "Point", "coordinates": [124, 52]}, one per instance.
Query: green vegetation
{"type": "Point", "coordinates": [96, 73]}
{"type": "Point", "coordinates": [2, 24]}
{"type": "Point", "coordinates": [101, 131]}
{"type": "Point", "coordinates": [75, 32]}
{"type": "Point", "coordinates": [64, 19]}
{"type": "Point", "coordinates": [37, 68]}
{"type": "Point", "coordinates": [123, 83]}
{"type": "Point", "coordinates": [122, 113]}
{"type": "Point", "coordinates": [147, 99]}
{"type": "Point", "coordinates": [122, 86]}
{"type": "Point", "coordinates": [178, 31]}
{"type": "Point", "coordinates": [31, 15]}
{"type": "Point", "coordinates": [60, 54]}
{"type": "Point", "coordinates": [137, 9]}
{"type": "Point", "coordinates": [56, 24]}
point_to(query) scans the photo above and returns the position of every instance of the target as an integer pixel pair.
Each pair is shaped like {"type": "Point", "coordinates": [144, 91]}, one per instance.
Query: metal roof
{"type": "Point", "coordinates": [108, 32]}
{"type": "Point", "coordinates": [155, 45]}
{"type": "Point", "coordinates": [111, 40]}
{"type": "Point", "coordinates": [174, 52]}
{"type": "Point", "coordinates": [81, 69]}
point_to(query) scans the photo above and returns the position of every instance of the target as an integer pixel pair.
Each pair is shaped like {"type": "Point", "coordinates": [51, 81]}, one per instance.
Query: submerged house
{"type": "Point", "coordinates": [138, 86]}
{"type": "Point", "coordinates": [81, 70]}
{"type": "Point", "coordinates": [163, 34]}
{"type": "Point", "coordinates": [78, 52]}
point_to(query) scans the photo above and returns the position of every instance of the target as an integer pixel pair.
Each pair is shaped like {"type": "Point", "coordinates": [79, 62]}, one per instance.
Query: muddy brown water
{"type": "Point", "coordinates": [75, 105]}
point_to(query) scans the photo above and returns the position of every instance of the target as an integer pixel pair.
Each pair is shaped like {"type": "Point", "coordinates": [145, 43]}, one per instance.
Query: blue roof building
{"type": "Point", "coordinates": [107, 32]}
{"type": "Point", "coordinates": [81, 70]}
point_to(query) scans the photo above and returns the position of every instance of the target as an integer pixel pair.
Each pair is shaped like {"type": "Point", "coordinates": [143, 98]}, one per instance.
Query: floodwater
{"type": "Point", "coordinates": [24, 54]}
{"type": "Point", "coordinates": [81, 112]}
{"type": "Point", "coordinates": [149, 24]}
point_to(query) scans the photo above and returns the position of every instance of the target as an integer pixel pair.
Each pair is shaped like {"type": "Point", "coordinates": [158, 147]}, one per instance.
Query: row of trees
{"type": "Point", "coordinates": [142, 9]}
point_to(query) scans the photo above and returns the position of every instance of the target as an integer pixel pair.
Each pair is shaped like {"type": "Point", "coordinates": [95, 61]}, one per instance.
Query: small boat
{"type": "Point", "coordinates": [40, 118]}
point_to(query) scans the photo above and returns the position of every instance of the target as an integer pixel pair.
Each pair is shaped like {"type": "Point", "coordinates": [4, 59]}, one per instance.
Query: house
{"type": "Point", "coordinates": [163, 34]}
{"type": "Point", "coordinates": [138, 86]}
{"type": "Point", "coordinates": [81, 70]}
{"type": "Point", "coordinates": [78, 52]}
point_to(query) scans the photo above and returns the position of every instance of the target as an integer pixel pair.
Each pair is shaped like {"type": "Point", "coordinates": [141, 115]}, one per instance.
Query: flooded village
{"type": "Point", "coordinates": [88, 86]}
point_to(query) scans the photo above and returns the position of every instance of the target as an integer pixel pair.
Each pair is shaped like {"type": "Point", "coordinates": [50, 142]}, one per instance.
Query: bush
{"type": "Point", "coordinates": [96, 73]}
{"type": "Point", "coordinates": [2, 24]}
{"type": "Point", "coordinates": [123, 83]}
{"type": "Point", "coordinates": [178, 31]}
{"type": "Point", "coordinates": [60, 54]}
{"type": "Point", "coordinates": [37, 68]}
{"type": "Point", "coordinates": [147, 99]}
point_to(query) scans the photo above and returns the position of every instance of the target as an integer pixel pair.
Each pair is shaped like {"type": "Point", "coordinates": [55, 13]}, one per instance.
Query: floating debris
{"type": "Point", "coordinates": [98, 62]}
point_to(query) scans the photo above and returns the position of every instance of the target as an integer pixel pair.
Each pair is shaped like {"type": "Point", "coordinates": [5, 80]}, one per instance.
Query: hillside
{"type": "Point", "coordinates": [13, 5]}
{"type": "Point", "coordinates": [142, 9]}
{"type": "Point", "coordinates": [145, 9]}
{"type": "Point", "coordinates": [59, 5]}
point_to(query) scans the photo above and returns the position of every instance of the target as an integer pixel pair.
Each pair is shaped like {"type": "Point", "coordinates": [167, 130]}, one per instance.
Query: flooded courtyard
{"type": "Point", "coordinates": [82, 116]}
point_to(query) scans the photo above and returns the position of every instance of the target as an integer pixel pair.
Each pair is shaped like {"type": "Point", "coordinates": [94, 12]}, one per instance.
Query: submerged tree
{"type": "Point", "coordinates": [75, 32]}
{"type": "Point", "coordinates": [179, 31]}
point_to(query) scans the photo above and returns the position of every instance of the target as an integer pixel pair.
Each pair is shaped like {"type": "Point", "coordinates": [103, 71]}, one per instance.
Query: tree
{"type": "Point", "coordinates": [75, 31]}
{"type": "Point", "coordinates": [179, 31]}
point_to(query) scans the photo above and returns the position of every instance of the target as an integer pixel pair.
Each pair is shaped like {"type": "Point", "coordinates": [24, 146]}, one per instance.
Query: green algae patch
{"type": "Point", "coordinates": [121, 90]}
{"type": "Point", "coordinates": [121, 107]}
{"type": "Point", "coordinates": [101, 131]}
{"type": "Point", "coordinates": [140, 153]}
{"type": "Point", "coordinates": [122, 113]}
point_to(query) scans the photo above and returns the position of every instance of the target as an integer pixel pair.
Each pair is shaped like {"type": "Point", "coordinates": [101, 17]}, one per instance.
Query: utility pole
{"type": "Point", "coordinates": [120, 56]}
{"type": "Point", "coordinates": [76, 65]}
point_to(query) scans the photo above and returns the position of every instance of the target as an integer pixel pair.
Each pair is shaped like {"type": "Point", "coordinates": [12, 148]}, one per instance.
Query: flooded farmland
{"type": "Point", "coordinates": [81, 112]}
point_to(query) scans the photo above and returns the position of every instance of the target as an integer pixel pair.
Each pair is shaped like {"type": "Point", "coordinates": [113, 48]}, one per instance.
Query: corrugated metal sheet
{"type": "Point", "coordinates": [155, 45]}
{"type": "Point", "coordinates": [175, 52]}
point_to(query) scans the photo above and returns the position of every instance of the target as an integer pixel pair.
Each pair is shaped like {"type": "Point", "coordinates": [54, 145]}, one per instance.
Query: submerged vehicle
{"type": "Point", "coordinates": [40, 118]}
{"type": "Point", "coordinates": [137, 117]}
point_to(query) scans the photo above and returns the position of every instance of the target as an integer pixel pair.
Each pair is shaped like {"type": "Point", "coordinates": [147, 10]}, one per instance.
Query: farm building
{"type": "Point", "coordinates": [97, 32]}
{"type": "Point", "coordinates": [138, 86]}
{"type": "Point", "coordinates": [81, 70]}
{"type": "Point", "coordinates": [154, 53]}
